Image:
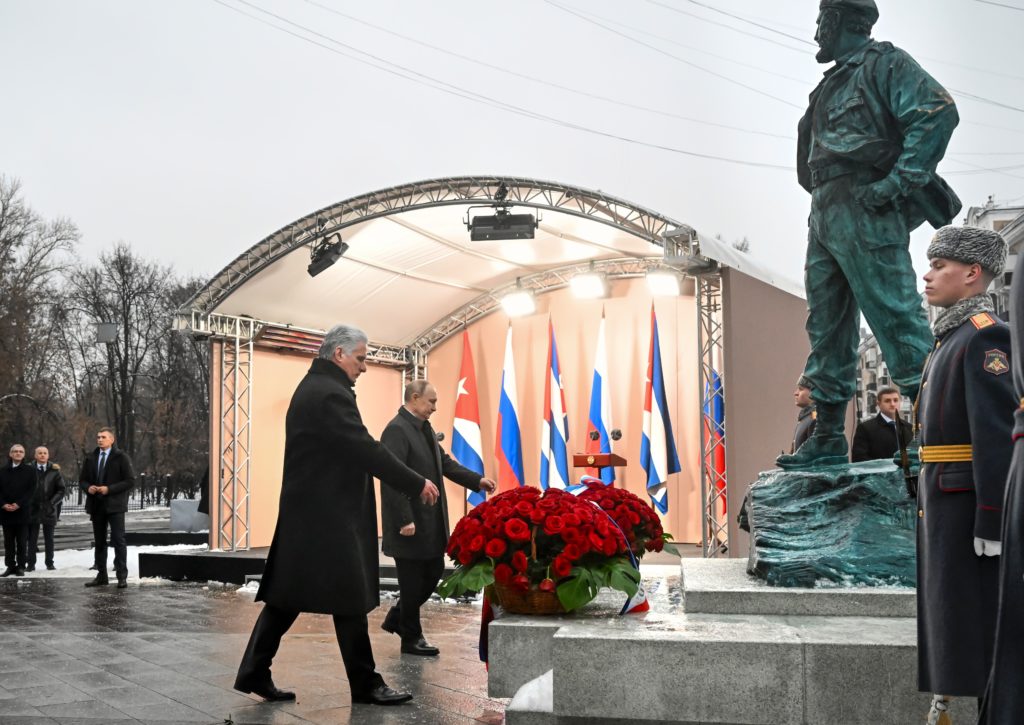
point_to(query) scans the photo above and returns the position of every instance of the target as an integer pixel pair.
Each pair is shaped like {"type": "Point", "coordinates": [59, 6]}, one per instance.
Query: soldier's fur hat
{"type": "Point", "coordinates": [867, 8]}
{"type": "Point", "coordinates": [970, 245]}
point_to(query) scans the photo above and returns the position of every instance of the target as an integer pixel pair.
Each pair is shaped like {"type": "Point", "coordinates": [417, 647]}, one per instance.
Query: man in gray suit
{"type": "Point", "coordinates": [415, 534]}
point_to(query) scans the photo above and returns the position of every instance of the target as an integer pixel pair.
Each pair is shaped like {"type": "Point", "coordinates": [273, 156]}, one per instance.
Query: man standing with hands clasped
{"type": "Point", "coordinates": [323, 557]}
{"type": "Point", "coordinates": [965, 420]}
{"type": "Point", "coordinates": [107, 477]}
{"type": "Point", "coordinates": [415, 534]}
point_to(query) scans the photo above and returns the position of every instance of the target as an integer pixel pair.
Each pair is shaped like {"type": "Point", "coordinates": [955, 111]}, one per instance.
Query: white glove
{"type": "Point", "coordinates": [984, 547]}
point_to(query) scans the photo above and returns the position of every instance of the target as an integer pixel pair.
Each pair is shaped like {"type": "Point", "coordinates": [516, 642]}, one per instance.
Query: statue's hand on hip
{"type": "Point", "coordinates": [878, 194]}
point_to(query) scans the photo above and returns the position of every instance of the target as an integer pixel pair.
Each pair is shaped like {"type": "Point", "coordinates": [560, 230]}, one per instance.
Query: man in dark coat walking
{"type": "Point", "coordinates": [1004, 698]}
{"type": "Point", "coordinates": [107, 476]}
{"type": "Point", "coordinates": [323, 557]}
{"type": "Point", "coordinates": [414, 534]}
{"type": "Point", "coordinates": [17, 484]}
{"type": "Point", "coordinates": [965, 417]}
{"type": "Point", "coordinates": [876, 437]}
{"type": "Point", "coordinates": [46, 504]}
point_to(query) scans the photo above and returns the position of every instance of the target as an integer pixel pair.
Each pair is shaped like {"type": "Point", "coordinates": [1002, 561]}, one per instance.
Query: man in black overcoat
{"type": "Point", "coordinates": [46, 505]}
{"type": "Point", "coordinates": [107, 476]}
{"type": "Point", "coordinates": [17, 484]}
{"type": "Point", "coordinates": [965, 416]}
{"type": "Point", "coordinates": [323, 557]}
{"type": "Point", "coordinates": [805, 419]}
{"type": "Point", "coordinates": [876, 437]}
{"type": "Point", "coordinates": [1004, 698]}
{"type": "Point", "coordinates": [414, 534]}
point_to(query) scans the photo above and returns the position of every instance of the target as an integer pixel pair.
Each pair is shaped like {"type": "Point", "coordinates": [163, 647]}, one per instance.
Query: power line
{"type": "Point", "coordinates": [656, 49]}
{"type": "Point", "coordinates": [1001, 5]}
{"type": "Point", "coordinates": [749, 22]}
{"type": "Point", "coordinates": [725, 25]}
{"type": "Point", "coordinates": [542, 81]}
{"type": "Point", "coordinates": [437, 84]}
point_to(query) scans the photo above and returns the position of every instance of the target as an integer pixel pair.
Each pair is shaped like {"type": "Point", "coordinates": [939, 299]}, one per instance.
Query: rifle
{"type": "Point", "coordinates": [909, 479]}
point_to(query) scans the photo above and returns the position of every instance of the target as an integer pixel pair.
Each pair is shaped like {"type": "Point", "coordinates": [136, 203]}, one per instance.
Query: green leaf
{"type": "Point", "coordinates": [671, 548]}
{"type": "Point", "coordinates": [581, 587]}
{"type": "Point", "coordinates": [480, 576]}
{"type": "Point", "coordinates": [467, 579]}
{"type": "Point", "coordinates": [624, 577]}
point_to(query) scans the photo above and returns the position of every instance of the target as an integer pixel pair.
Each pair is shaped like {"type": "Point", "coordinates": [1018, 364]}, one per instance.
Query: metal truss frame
{"type": "Point", "coordinates": [234, 416]}
{"type": "Point", "coordinates": [714, 486]}
{"type": "Point", "coordinates": [576, 201]}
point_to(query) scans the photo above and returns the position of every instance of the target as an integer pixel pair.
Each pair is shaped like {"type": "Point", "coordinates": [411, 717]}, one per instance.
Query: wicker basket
{"type": "Point", "coordinates": [532, 601]}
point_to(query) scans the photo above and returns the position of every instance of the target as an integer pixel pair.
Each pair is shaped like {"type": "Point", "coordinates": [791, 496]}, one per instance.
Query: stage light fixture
{"type": "Point", "coordinates": [589, 286]}
{"type": "Point", "coordinates": [663, 283]}
{"type": "Point", "coordinates": [325, 253]}
{"type": "Point", "coordinates": [503, 224]}
{"type": "Point", "coordinates": [518, 302]}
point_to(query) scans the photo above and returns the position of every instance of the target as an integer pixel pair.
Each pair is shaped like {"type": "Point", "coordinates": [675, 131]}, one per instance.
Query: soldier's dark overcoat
{"type": "Point", "coordinates": [966, 398]}
{"type": "Point", "coordinates": [324, 556]}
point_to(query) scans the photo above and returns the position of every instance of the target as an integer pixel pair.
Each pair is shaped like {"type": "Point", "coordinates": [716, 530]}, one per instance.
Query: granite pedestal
{"type": "Point", "coordinates": [716, 647]}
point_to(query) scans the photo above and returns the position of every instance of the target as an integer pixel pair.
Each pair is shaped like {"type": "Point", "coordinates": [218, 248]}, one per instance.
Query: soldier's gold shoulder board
{"type": "Point", "coordinates": [996, 362]}
{"type": "Point", "coordinates": [983, 319]}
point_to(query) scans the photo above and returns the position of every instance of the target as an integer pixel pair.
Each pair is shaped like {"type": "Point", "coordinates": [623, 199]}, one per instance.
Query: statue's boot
{"type": "Point", "coordinates": [939, 712]}
{"type": "Point", "coordinates": [827, 446]}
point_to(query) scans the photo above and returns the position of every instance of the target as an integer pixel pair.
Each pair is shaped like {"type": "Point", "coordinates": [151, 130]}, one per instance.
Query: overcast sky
{"type": "Point", "coordinates": [192, 131]}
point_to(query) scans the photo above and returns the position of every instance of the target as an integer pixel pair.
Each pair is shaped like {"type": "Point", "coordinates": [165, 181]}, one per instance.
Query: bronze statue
{"type": "Point", "coordinates": [875, 129]}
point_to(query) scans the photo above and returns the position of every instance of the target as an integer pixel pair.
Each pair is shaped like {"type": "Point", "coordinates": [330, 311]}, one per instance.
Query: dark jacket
{"type": "Point", "coordinates": [413, 442]}
{"type": "Point", "coordinates": [49, 494]}
{"type": "Point", "coordinates": [17, 486]}
{"type": "Point", "coordinates": [806, 420]}
{"type": "Point", "coordinates": [324, 557]}
{"type": "Point", "coordinates": [874, 439]}
{"type": "Point", "coordinates": [880, 110]}
{"type": "Point", "coordinates": [1004, 699]}
{"type": "Point", "coordinates": [118, 476]}
{"type": "Point", "coordinates": [966, 399]}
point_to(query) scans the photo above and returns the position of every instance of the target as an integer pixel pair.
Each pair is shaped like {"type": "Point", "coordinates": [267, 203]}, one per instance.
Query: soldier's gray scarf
{"type": "Point", "coordinates": [954, 316]}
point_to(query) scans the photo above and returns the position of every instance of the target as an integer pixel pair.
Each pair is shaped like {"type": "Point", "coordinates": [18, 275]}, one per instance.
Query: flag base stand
{"type": "Point", "coordinates": [718, 646]}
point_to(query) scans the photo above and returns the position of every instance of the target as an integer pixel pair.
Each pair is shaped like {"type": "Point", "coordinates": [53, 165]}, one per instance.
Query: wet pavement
{"type": "Point", "coordinates": [167, 653]}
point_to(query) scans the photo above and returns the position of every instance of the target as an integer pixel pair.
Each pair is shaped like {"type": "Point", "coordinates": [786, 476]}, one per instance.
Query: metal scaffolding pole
{"type": "Point", "coordinates": [235, 411]}
{"type": "Point", "coordinates": [714, 490]}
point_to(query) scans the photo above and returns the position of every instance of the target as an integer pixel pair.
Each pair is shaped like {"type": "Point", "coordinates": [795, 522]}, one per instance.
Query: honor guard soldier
{"type": "Point", "coordinates": [964, 421]}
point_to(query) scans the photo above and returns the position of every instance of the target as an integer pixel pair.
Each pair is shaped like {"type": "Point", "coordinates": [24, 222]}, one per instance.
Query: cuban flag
{"type": "Point", "coordinates": [600, 418]}
{"type": "Point", "coordinates": [714, 433]}
{"type": "Point", "coordinates": [508, 444]}
{"type": "Point", "coordinates": [554, 436]}
{"type": "Point", "coordinates": [658, 446]}
{"type": "Point", "coordinates": [466, 441]}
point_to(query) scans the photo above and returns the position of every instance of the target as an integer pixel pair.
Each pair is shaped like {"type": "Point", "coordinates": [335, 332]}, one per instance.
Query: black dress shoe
{"type": "Point", "coordinates": [19, 572]}
{"type": "Point", "coordinates": [382, 695]}
{"type": "Point", "coordinates": [420, 647]}
{"type": "Point", "coordinates": [390, 623]}
{"type": "Point", "coordinates": [9, 571]}
{"type": "Point", "coordinates": [122, 583]}
{"type": "Point", "coordinates": [50, 567]}
{"type": "Point", "coordinates": [267, 690]}
{"type": "Point", "coordinates": [99, 581]}
{"type": "Point", "coordinates": [30, 567]}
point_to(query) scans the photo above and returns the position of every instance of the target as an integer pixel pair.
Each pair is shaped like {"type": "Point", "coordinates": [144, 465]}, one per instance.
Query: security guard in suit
{"type": "Point", "coordinates": [964, 422]}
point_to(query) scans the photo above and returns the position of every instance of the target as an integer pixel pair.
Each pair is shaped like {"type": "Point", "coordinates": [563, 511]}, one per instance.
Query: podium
{"type": "Point", "coordinates": [597, 460]}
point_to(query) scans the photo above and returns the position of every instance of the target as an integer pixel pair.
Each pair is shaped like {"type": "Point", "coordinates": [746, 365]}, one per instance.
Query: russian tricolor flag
{"type": "Point", "coordinates": [600, 418]}
{"type": "Point", "coordinates": [714, 433]}
{"type": "Point", "coordinates": [554, 437]}
{"type": "Point", "coordinates": [658, 447]}
{"type": "Point", "coordinates": [466, 441]}
{"type": "Point", "coordinates": [508, 445]}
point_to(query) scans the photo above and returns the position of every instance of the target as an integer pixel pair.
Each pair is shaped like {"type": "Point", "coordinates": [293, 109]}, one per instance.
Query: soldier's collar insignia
{"type": "Point", "coordinates": [996, 362]}
{"type": "Point", "coordinates": [983, 319]}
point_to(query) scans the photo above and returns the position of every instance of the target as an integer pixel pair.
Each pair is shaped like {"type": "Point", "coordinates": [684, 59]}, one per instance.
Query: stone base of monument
{"type": "Point", "coordinates": [718, 646]}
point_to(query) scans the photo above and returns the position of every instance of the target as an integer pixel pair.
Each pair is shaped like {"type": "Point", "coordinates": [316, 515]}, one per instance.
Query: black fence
{"type": "Point", "coordinates": [148, 492]}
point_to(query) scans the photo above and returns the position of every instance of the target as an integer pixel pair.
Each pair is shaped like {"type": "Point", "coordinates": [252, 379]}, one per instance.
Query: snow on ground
{"type": "Point", "coordinates": [76, 562]}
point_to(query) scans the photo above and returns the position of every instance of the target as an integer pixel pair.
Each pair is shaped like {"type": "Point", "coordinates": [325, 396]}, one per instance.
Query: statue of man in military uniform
{"type": "Point", "coordinates": [874, 132]}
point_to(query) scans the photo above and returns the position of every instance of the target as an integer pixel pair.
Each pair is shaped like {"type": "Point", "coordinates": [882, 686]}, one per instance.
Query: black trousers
{"type": "Point", "coordinates": [33, 540]}
{"type": "Point", "coordinates": [417, 579]}
{"type": "Point", "coordinates": [100, 521]}
{"type": "Point", "coordinates": [15, 545]}
{"type": "Point", "coordinates": [353, 640]}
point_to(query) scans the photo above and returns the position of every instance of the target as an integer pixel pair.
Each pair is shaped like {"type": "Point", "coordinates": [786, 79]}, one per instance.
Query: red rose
{"type": "Point", "coordinates": [548, 503]}
{"type": "Point", "coordinates": [561, 566]}
{"type": "Point", "coordinates": [633, 517]}
{"type": "Point", "coordinates": [523, 508]}
{"type": "Point", "coordinates": [659, 544]}
{"type": "Point", "coordinates": [502, 573]}
{"type": "Point", "coordinates": [477, 543]}
{"type": "Point", "coordinates": [537, 515]}
{"type": "Point", "coordinates": [516, 530]}
{"type": "Point", "coordinates": [596, 540]}
{"type": "Point", "coordinates": [519, 581]}
{"type": "Point", "coordinates": [553, 524]}
{"type": "Point", "coordinates": [572, 552]}
{"type": "Point", "coordinates": [495, 548]}
{"type": "Point", "coordinates": [610, 546]}
{"type": "Point", "coordinates": [571, 520]}
{"type": "Point", "coordinates": [607, 504]}
{"type": "Point", "coordinates": [547, 585]}
{"type": "Point", "coordinates": [519, 561]}
{"type": "Point", "coordinates": [465, 557]}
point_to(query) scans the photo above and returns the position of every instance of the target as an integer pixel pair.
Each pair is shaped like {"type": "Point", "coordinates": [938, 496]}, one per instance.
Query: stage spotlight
{"type": "Point", "coordinates": [325, 253]}
{"type": "Point", "coordinates": [519, 302]}
{"type": "Point", "coordinates": [501, 225]}
{"type": "Point", "coordinates": [663, 283]}
{"type": "Point", "coordinates": [589, 285]}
